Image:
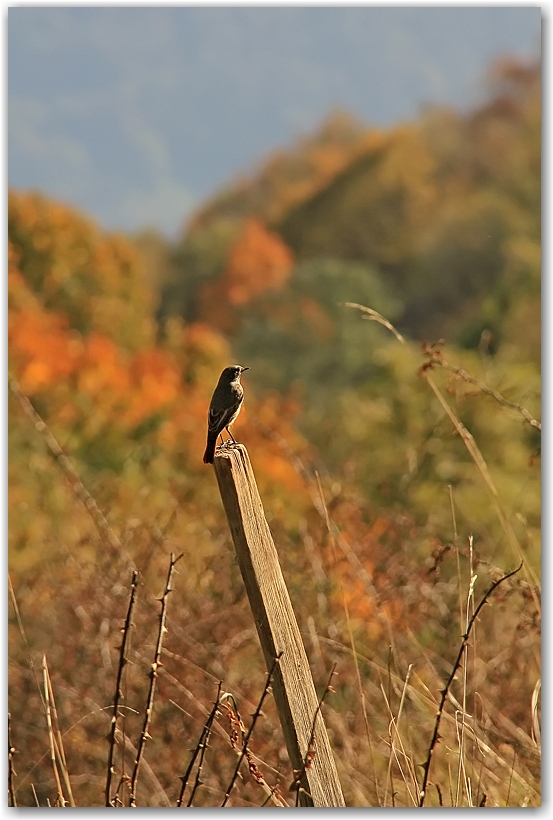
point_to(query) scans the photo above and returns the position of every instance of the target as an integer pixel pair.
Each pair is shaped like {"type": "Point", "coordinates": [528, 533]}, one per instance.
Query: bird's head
{"type": "Point", "coordinates": [234, 371]}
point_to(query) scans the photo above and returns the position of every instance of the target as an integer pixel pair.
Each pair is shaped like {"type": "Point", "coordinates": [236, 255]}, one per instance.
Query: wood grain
{"type": "Point", "coordinates": [293, 687]}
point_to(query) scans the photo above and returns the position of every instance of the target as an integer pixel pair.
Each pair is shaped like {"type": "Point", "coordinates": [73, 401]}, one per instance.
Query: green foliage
{"type": "Point", "coordinates": [196, 261]}
{"type": "Point", "coordinates": [304, 332]}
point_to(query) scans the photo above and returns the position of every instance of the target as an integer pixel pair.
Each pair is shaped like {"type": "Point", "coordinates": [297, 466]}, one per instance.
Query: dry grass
{"type": "Point", "coordinates": [406, 636]}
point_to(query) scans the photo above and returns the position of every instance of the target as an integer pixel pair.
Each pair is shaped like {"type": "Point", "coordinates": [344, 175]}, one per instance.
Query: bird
{"type": "Point", "coordinates": [225, 405]}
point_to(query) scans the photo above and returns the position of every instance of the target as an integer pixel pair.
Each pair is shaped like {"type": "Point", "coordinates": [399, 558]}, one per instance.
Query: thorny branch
{"type": "Point", "coordinates": [445, 690]}
{"type": "Point", "coordinates": [250, 730]}
{"type": "Point", "coordinates": [118, 691]}
{"type": "Point", "coordinates": [153, 676]}
{"type": "Point", "coordinates": [200, 749]}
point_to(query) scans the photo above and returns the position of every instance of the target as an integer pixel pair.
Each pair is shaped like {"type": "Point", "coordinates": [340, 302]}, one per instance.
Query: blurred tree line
{"type": "Point", "coordinates": [443, 211]}
{"type": "Point", "coordinates": [435, 224]}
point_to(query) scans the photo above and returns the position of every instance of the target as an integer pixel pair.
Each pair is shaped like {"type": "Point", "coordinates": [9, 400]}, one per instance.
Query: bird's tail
{"type": "Point", "coordinates": [210, 449]}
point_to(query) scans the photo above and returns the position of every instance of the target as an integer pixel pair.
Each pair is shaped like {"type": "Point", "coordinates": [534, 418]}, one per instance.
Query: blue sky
{"type": "Point", "coordinates": [136, 114]}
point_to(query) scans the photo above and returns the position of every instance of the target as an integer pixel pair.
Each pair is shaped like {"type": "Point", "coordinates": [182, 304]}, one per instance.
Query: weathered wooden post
{"type": "Point", "coordinates": [293, 687]}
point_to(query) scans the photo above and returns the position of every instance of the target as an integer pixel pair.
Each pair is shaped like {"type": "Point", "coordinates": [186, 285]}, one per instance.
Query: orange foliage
{"type": "Point", "coordinates": [156, 383]}
{"type": "Point", "coordinates": [98, 280]}
{"type": "Point", "coordinates": [41, 340]}
{"type": "Point", "coordinates": [258, 262]}
{"type": "Point", "coordinates": [46, 354]}
{"type": "Point", "coordinates": [40, 343]}
{"type": "Point", "coordinates": [273, 439]}
{"type": "Point", "coordinates": [91, 373]}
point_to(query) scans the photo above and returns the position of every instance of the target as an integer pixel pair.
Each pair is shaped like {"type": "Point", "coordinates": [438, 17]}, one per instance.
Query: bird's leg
{"type": "Point", "coordinates": [230, 434]}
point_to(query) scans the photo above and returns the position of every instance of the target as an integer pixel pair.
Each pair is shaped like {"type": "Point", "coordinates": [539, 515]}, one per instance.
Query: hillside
{"type": "Point", "coordinates": [445, 209]}
{"type": "Point", "coordinates": [400, 480]}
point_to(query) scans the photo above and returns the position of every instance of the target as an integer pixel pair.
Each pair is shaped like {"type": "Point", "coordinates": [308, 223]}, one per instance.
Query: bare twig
{"type": "Point", "coordinates": [11, 771]}
{"type": "Point", "coordinates": [60, 799]}
{"type": "Point", "coordinates": [58, 742]}
{"type": "Point", "coordinates": [199, 749]}
{"type": "Point", "coordinates": [250, 730]}
{"type": "Point", "coordinates": [99, 519]}
{"type": "Point", "coordinates": [436, 357]}
{"type": "Point", "coordinates": [153, 676]}
{"type": "Point", "coordinates": [310, 752]}
{"type": "Point", "coordinates": [118, 691]}
{"type": "Point", "coordinates": [203, 746]}
{"type": "Point", "coordinates": [445, 690]}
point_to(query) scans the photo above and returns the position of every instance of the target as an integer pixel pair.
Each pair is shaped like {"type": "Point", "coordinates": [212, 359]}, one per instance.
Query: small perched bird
{"type": "Point", "coordinates": [225, 406]}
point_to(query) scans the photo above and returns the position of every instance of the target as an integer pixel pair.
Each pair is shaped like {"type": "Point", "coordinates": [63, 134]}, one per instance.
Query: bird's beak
{"type": "Point", "coordinates": [245, 368]}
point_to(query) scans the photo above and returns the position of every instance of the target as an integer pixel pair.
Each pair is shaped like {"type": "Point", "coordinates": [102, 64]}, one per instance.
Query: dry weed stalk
{"type": "Point", "coordinates": [12, 801]}
{"type": "Point", "coordinates": [60, 800]}
{"type": "Point", "coordinates": [374, 316]}
{"type": "Point", "coordinates": [56, 736]}
{"type": "Point", "coordinates": [445, 690]}
{"type": "Point", "coordinates": [423, 699]}
{"type": "Point", "coordinates": [35, 794]}
{"type": "Point", "coordinates": [153, 676]}
{"type": "Point", "coordinates": [461, 770]}
{"type": "Point", "coordinates": [435, 357]}
{"type": "Point", "coordinates": [238, 730]}
{"type": "Point", "coordinates": [536, 733]}
{"type": "Point", "coordinates": [255, 717]}
{"type": "Point", "coordinates": [118, 690]}
{"type": "Point", "coordinates": [395, 735]}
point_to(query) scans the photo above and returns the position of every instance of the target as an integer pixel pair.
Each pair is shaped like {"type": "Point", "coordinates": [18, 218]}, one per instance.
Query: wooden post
{"type": "Point", "coordinates": [293, 687]}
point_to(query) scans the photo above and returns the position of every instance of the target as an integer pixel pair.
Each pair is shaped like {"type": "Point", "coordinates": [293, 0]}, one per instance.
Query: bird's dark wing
{"type": "Point", "coordinates": [219, 419]}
